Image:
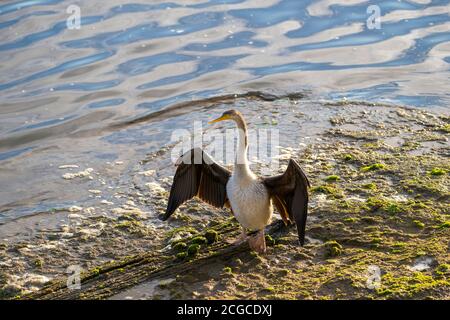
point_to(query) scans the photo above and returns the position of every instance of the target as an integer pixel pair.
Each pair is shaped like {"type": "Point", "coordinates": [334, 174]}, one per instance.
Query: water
{"type": "Point", "coordinates": [80, 97]}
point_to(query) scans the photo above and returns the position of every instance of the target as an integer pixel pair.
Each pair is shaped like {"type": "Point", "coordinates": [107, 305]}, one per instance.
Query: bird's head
{"type": "Point", "coordinates": [229, 115]}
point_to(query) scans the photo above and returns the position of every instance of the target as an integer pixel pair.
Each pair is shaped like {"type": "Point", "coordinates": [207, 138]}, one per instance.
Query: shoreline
{"type": "Point", "coordinates": [379, 210]}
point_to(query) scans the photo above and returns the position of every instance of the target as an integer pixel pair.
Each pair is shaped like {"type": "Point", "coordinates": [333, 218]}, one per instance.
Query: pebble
{"type": "Point", "coordinates": [68, 166]}
{"type": "Point", "coordinates": [147, 173]}
{"type": "Point", "coordinates": [80, 174]}
{"type": "Point", "coordinates": [74, 216]}
{"type": "Point", "coordinates": [75, 209]}
{"type": "Point", "coordinates": [155, 187]}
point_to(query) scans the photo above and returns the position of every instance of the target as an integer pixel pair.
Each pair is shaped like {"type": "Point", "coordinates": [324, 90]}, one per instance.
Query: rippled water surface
{"type": "Point", "coordinates": [77, 97]}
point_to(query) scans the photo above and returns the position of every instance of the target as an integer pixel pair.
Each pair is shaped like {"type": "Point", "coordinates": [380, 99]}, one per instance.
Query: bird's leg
{"type": "Point", "coordinates": [242, 237]}
{"type": "Point", "coordinates": [258, 242]}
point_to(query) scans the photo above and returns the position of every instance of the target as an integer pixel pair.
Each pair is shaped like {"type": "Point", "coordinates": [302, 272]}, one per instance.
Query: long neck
{"type": "Point", "coordinates": [241, 161]}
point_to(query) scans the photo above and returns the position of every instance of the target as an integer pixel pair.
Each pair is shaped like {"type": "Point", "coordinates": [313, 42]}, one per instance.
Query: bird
{"type": "Point", "coordinates": [250, 198]}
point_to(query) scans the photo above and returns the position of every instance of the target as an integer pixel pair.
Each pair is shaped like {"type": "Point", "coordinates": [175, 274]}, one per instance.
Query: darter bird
{"type": "Point", "coordinates": [249, 197]}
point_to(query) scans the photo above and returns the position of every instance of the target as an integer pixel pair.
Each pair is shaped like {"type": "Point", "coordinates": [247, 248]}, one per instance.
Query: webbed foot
{"type": "Point", "coordinates": [258, 242]}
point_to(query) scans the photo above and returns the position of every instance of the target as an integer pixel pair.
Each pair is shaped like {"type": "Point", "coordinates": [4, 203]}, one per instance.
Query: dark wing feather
{"type": "Point", "coordinates": [289, 193]}
{"type": "Point", "coordinates": [281, 207]}
{"type": "Point", "coordinates": [197, 175]}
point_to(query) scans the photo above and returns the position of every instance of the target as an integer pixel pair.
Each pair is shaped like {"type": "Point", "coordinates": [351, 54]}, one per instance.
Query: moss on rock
{"type": "Point", "coordinates": [332, 248]}
{"type": "Point", "coordinates": [212, 236]}
{"type": "Point", "coordinates": [193, 249]}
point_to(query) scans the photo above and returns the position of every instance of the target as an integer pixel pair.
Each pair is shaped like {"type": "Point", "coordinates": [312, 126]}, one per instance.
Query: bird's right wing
{"type": "Point", "coordinates": [198, 175]}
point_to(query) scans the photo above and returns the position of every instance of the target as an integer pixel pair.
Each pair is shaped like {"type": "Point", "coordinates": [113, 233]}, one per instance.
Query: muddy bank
{"type": "Point", "coordinates": [378, 228]}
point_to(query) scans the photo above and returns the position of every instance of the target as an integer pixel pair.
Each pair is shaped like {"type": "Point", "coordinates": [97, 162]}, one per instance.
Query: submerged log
{"type": "Point", "coordinates": [113, 278]}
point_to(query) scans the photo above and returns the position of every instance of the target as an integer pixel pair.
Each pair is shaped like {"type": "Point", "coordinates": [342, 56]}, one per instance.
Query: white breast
{"type": "Point", "coordinates": [249, 201]}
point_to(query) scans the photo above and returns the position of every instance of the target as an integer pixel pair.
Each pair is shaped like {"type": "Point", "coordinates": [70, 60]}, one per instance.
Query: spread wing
{"type": "Point", "coordinates": [289, 193]}
{"type": "Point", "coordinates": [197, 175]}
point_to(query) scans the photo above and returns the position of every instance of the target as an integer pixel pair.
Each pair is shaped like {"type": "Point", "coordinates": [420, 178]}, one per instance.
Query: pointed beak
{"type": "Point", "coordinates": [222, 118]}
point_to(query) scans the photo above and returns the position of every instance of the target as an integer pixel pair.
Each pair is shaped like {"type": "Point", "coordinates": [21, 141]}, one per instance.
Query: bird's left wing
{"type": "Point", "coordinates": [197, 175]}
{"type": "Point", "coordinates": [289, 193]}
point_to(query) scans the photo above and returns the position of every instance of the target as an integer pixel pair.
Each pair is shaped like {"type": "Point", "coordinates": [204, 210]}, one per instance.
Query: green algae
{"type": "Point", "coordinates": [445, 128]}
{"type": "Point", "coordinates": [370, 186]}
{"type": "Point", "coordinates": [443, 269]}
{"type": "Point", "coordinates": [323, 189]}
{"type": "Point", "coordinates": [444, 225]}
{"type": "Point", "coordinates": [389, 206]}
{"type": "Point", "coordinates": [408, 286]}
{"type": "Point", "coordinates": [95, 271]}
{"type": "Point", "coordinates": [348, 157]}
{"type": "Point", "coordinates": [38, 263]}
{"type": "Point", "coordinates": [193, 249]}
{"type": "Point", "coordinates": [181, 255]}
{"type": "Point", "coordinates": [268, 290]}
{"type": "Point", "coordinates": [269, 240]}
{"type": "Point", "coordinates": [419, 224]}
{"type": "Point", "coordinates": [212, 236]}
{"type": "Point", "coordinates": [227, 270]}
{"type": "Point", "coordinates": [199, 240]}
{"type": "Point", "coordinates": [332, 248]}
{"type": "Point", "coordinates": [329, 190]}
{"type": "Point", "coordinates": [183, 229]}
{"type": "Point", "coordinates": [373, 167]}
{"type": "Point", "coordinates": [332, 178]}
{"type": "Point", "coordinates": [372, 145]}
{"type": "Point", "coordinates": [438, 172]}
{"type": "Point", "coordinates": [180, 246]}
{"type": "Point", "coordinates": [132, 226]}
{"type": "Point", "coordinates": [394, 208]}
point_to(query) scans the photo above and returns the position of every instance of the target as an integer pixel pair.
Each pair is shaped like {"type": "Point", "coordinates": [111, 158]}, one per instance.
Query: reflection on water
{"type": "Point", "coordinates": [63, 91]}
